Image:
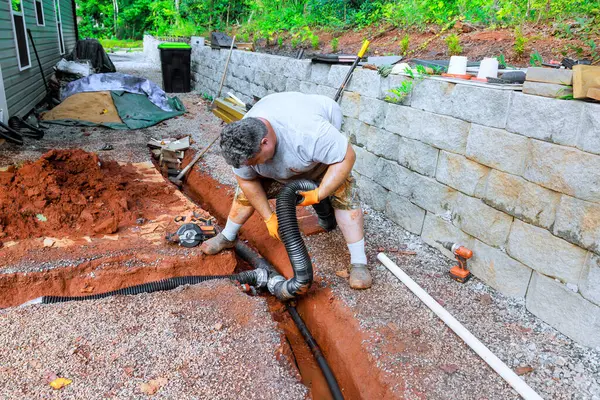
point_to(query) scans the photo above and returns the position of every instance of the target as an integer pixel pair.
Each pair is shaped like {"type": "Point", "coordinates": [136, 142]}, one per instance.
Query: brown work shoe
{"type": "Point", "coordinates": [216, 245]}
{"type": "Point", "coordinates": [360, 277]}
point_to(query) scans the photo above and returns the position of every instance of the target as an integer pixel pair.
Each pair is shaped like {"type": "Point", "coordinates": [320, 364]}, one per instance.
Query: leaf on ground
{"type": "Point", "coordinates": [153, 385]}
{"type": "Point", "coordinates": [523, 370]}
{"type": "Point", "coordinates": [60, 383]}
{"type": "Point", "coordinates": [41, 217]}
{"type": "Point", "coordinates": [342, 273]}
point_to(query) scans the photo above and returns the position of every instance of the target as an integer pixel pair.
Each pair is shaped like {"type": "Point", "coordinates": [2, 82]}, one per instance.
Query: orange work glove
{"type": "Point", "coordinates": [311, 197]}
{"type": "Point", "coordinates": [273, 226]}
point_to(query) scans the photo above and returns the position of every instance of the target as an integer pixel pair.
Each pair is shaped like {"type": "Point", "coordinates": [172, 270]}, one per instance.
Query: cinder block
{"type": "Point", "coordinates": [589, 284]}
{"type": "Point", "coordinates": [438, 229]}
{"type": "Point", "coordinates": [546, 119]}
{"type": "Point", "coordinates": [498, 270]}
{"type": "Point", "coordinates": [337, 74]}
{"type": "Point", "coordinates": [462, 174]}
{"type": "Point", "coordinates": [551, 90]}
{"type": "Point", "coordinates": [364, 162]}
{"type": "Point", "coordinates": [297, 69]}
{"type": "Point", "coordinates": [434, 197]}
{"type": "Point", "coordinates": [379, 142]}
{"type": "Point", "coordinates": [319, 73]}
{"type": "Point", "coordinates": [366, 82]}
{"type": "Point", "coordinates": [404, 213]}
{"type": "Point", "coordinates": [350, 104]}
{"type": "Point", "coordinates": [565, 310]}
{"type": "Point", "coordinates": [372, 111]}
{"type": "Point", "coordinates": [371, 193]}
{"type": "Point", "coordinates": [414, 155]}
{"type": "Point", "coordinates": [550, 75]}
{"type": "Point", "coordinates": [539, 249]}
{"type": "Point", "coordinates": [589, 132]}
{"type": "Point", "coordinates": [522, 199]}
{"type": "Point", "coordinates": [498, 149]}
{"type": "Point", "coordinates": [578, 222]}
{"type": "Point", "coordinates": [481, 221]}
{"type": "Point", "coordinates": [393, 177]}
{"type": "Point", "coordinates": [564, 169]}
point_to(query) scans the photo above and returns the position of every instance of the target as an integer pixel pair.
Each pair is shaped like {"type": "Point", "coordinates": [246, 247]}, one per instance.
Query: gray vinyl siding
{"type": "Point", "coordinates": [24, 89]}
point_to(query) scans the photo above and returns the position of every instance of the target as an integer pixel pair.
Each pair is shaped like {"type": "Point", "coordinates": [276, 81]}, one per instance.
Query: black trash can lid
{"type": "Point", "coordinates": [174, 45]}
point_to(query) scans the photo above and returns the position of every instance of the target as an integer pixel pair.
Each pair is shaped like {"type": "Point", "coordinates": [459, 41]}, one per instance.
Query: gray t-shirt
{"type": "Point", "coordinates": [308, 136]}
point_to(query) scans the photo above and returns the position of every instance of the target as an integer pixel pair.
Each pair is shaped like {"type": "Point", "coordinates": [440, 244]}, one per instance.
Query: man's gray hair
{"type": "Point", "coordinates": [240, 140]}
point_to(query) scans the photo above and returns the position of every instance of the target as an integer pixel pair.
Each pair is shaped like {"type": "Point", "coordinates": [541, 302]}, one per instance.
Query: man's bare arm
{"type": "Point", "coordinates": [255, 193]}
{"type": "Point", "coordinates": [336, 174]}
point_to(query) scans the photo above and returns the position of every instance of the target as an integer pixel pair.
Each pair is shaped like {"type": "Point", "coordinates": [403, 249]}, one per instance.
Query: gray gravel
{"type": "Point", "coordinates": [209, 341]}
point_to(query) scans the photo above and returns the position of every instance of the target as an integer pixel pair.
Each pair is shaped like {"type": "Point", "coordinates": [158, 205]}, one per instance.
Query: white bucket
{"type": "Point", "coordinates": [488, 68]}
{"type": "Point", "coordinates": [458, 65]}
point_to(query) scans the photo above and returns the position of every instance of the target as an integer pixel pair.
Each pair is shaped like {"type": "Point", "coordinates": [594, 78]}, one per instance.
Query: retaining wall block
{"type": "Point", "coordinates": [498, 149]}
{"type": "Point", "coordinates": [589, 284]}
{"type": "Point", "coordinates": [325, 91]}
{"type": "Point", "coordinates": [337, 73]}
{"type": "Point", "coordinates": [393, 177]}
{"type": "Point", "coordinates": [433, 96]}
{"type": "Point", "coordinates": [350, 104]}
{"type": "Point", "coordinates": [260, 78]}
{"type": "Point", "coordinates": [297, 69]}
{"type": "Point", "coordinates": [462, 174]}
{"type": "Point", "coordinates": [415, 155]}
{"type": "Point", "coordinates": [372, 111]}
{"type": "Point", "coordinates": [546, 119]}
{"type": "Point", "coordinates": [237, 58]}
{"type": "Point", "coordinates": [292, 85]}
{"type": "Point", "coordinates": [589, 131]}
{"type": "Point", "coordinates": [404, 213]}
{"type": "Point", "coordinates": [371, 193]}
{"type": "Point", "coordinates": [480, 220]}
{"type": "Point", "coordinates": [256, 90]}
{"type": "Point", "coordinates": [379, 141]}
{"type": "Point", "coordinates": [443, 132]}
{"type": "Point", "coordinates": [546, 253]}
{"type": "Point", "coordinates": [393, 81]}
{"type": "Point", "coordinates": [366, 82]}
{"type": "Point", "coordinates": [578, 222]}
{"type": "Point", "coordinates": [498, 270]}
{"type": "Point", "coordinates": [434, 197]}
{"type": "Point", "coordinates": [319, 73]}
{"type": "Point", "coordinates": [352, 127]}
{"type": "Point", "coordinates": [565, 310]}
{"type": "Point", "coordinates": [276, 82]}
{"type": "Point", "coordinates": [564, 169]}
{"type": "Point", "coordinates": [364, 162]}
{"type": "Point", "coordinates": [438, 229]}
{"type": "Point", "coordinates": [307, 87]}
{"type": "Point", "coordinates": [521, 199]}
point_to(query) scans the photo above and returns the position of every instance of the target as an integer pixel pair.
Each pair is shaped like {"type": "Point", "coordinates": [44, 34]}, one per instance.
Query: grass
{"type": "Point", "coordinates": [121, 44]}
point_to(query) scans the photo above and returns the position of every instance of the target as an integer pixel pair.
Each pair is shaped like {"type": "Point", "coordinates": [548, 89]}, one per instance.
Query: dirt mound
{"type": "Point", "coordinates": [72, 191]}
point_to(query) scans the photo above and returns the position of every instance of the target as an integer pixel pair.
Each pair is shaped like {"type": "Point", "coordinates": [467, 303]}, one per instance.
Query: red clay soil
{"type": "Point", "coordinates": [73, 191]}
{"type": "Point", "coordinates": [330, 321]}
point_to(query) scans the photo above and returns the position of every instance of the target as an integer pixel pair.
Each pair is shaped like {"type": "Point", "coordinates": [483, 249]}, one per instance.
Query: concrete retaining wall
{"type": "Point", "coordinates": [515, 177]}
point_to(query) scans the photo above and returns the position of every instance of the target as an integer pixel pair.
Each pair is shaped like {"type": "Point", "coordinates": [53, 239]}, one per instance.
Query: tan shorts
{"type": "Point", "coordinates": [344, 198]}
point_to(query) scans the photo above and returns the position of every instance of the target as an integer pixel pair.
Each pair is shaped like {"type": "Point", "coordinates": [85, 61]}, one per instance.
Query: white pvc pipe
{"type": "Point", "coordinates": [494, 362]}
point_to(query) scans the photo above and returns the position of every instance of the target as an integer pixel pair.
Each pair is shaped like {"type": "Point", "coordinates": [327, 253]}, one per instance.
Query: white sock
{"type": "Point", "coordinates": [357, 252]}
{"type": "Point", "coordinates": [231, 230]}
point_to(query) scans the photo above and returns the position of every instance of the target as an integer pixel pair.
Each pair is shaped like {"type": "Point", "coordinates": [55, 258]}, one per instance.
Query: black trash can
{"type": "Point", "coordinates": [175, 65]}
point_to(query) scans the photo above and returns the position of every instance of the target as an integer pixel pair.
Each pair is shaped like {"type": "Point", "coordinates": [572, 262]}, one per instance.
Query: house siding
{"type": "Point", "coordinates": [24, 89]}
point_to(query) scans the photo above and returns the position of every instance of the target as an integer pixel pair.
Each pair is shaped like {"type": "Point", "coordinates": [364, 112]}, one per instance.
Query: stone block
{"type": "Point", "coordinates": [258, 91]}
{"type": "Point", "coordinates": [337, 73]}
{"type": "Point", "coordinates": [350, 104]}
{"type": "Point", "coordinates": [434, 197]}
{"type": "Point", "coordinates": [433, 96]}
{"type": "Point", "coordinates": [522, 199]}
{"type": "Point", "coordinates": [539, 249]}
{"type": "Point", "coordinates": [393, 177]}
{"type": "Point", "coordinates": [297, 69]}
{"type": "Point", "coordinates": [498, 270]}
{"type": "Point", "coordinates": [415, 155]}
{"type": "Point", "coordinates": [551, 90]}
{"type": "Point", "coordinates": [393, 81]}
{"type": "Point", "coordinates": [372, 111]}
{"type": "Point", "coordinates": [371, 193]}
{"type": "Point", "coordinates": [274, 82]}
{"type": "Point", "coordinates": [462, 174]}
{"type": "Point", "coordinates": [292, 85]}
{"type": "Point", "coordinates": [366, 82]}
{"type": "Point", "coordinates": [398, 119]}
{"type": "Point", "coordinates": [546, 119]}
{"type": "Point", "coordinates": [379, 142]}
{"type": "Point", "coordinates": [307, 87]}
{"type": "Point", "coordinates": [589, 283]}
{"type": "Point", "coordinates": [497, 148]}
{"type": "Point", "coordinates": [352, 127]}
{"type": "Point", "coordinates": [261, 78]}
{"type": "Point", "coordinates": [443, 132]}
{"type": "Point", "coordinates": [564, 170]}
{"type": "Point", "coordinates": [404, 213]}
{"type": "Point", "coordinates": [589, 131]}
{"type": "Point", "coordinates": [578, 222]}
{"type": "Point", "coordinates": [325, 91]}
{"type": "Point", "coordinates": [365, 162]}
{"type": "Point", "coordinates": [438, 229]}
{"type": "Point", "coordinates": [565, 310]}
{"type": "Point", "coordinates": [319, 73]}
{"type": "Point", "coordinates": [550, 75]}
{"type": "Point", "coordinates": [480, 220]}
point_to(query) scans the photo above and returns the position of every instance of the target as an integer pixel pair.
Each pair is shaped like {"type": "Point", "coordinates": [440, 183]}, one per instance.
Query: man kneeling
{"type": "Point", "coordinates": [285, 137]}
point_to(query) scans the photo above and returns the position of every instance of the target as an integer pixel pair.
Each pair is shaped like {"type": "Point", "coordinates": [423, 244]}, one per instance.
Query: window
{"type": "Point", "coordinates": [61, 40]}
{"type": "Point", "coordinates": [20, 34]}
{"type": "Point", "coordinates": [39, 12]}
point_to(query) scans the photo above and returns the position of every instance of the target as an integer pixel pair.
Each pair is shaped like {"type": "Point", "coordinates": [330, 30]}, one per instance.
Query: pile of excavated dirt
{"type": "Point", "coordinates": [72, 191]}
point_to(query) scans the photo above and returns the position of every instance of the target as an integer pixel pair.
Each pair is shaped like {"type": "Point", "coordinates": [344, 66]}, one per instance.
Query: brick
{"type": "Point", "coordinates": [551, 90]}
{"type": "Point", "coordinates": [404, 213]}
{"type": "Point", "coordinates": [336, 76]}
{"type": "Point", "coordinates": [498, 270]}
{"type": "Point", "coordinates": [522, 199]}
{"type": "Point", "coordinates": [371, 193]}
{"type": "Point", "coordinates": [589, 132]}
{"type": "Point", "coordinates": [364, 162]}
{"type": "Point", "coordinates": [565, 310]}
{"type": "Point", "coordinates": [539, 249]}
{"type": "Point", "coordinates": [497, 148]}
{"type": "Point", "coordinates": [589, 283]}
{"type": "Point", "coordinates": [372, 111]}
{"type": "Point", "coordinates": [480, 220]}
{"type": "Point", "coordinates": [350, 104]}
{"type": "Point", "coordinates": [578, 222]}
{"type": "Point", "coordinates": [379, 142]}
{"type": "Point", "coordinates": [462, 174]}
{"type": "Point", "coordinates": [415, 155]}
{"type": "Point", "coordinates": [393, 177]}
{"type": "Point", "coordinates": [434, 197]}
{"type": "Point", "coordinates": [297, 69]}
{"type": "Point", "coordinates": [564, 170]}
{"type": "Point", "coordinates": [436, 229]}
{"type": "Point", "coordinates": [366, 82]}
{"type": "Point", "coordinates": [546, 119]}
{"type": "Point", "coordinates": [550, 75]}
{"type": "Point", "coordinates": [319, 73]}
{"type": "Point", "coordinates": [393, 81]}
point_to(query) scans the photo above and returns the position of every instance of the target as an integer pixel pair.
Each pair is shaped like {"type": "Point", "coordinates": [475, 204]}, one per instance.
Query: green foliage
{"type": "Point", "coordinates": [535, 59]}
{"type": "Point", "coordinates": [334, 44]}
{"type": "Point", "coordinates": [404, 43]}
{"type": "Point", "coordinates": [520, 42]}
{"type": "Point", "coordinates": [207, 97]}
{"type": "Point", "coordinates": [280, 42]}
{"type": "Point", "coordinates": [454, 47]}
{"type": "Point", "coordinates": [314, 42]}
{"type": "Point", "coordinates": [399, 93]}
{"type": "Point", "coordinates": [121, 44]}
